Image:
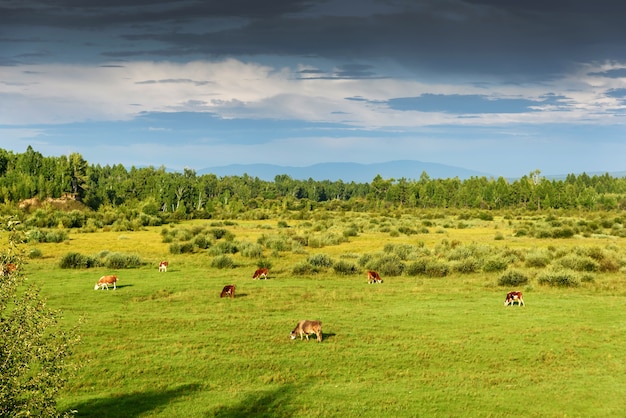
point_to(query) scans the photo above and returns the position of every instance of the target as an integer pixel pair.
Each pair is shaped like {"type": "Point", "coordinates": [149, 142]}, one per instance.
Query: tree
{"type": "Point", "coordinates": [33, 347]}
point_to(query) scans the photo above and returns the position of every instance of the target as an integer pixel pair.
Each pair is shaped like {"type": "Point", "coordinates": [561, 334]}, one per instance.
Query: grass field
{"type": "Point", "coordinates": [166, 345]}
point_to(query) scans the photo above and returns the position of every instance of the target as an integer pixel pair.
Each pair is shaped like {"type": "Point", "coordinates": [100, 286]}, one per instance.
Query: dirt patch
{"type": "Point", "coordinates": [64, 203]}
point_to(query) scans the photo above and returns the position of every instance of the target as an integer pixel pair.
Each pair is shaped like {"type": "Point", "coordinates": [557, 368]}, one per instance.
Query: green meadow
{"type": "Point", "coordinates": [434, 339]}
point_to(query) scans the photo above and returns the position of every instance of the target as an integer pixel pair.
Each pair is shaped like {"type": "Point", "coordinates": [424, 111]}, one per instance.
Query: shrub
{"type": "Point", "coordinates": [218, 233]}
{"type": "Point", "coordinates": [537, 259]}
{"type": "Point", "coordinates": [560, 278]}
{"type": "Point", "coordinates": [416, 268]}
{"type": "Point", "coordinates": [437, 268]}
{"type": "Point", "coordinates": [223, 247]}
{"type": "Point", "coordinates": [345, 268]}
{"type": "Point", "coordinates": [512, 278]}
{"type": "Point", "coordinates": [303, 268]}
{"type": "Point", "coordinates": [579, 263]}
{"type": "Point", "coordinates": [222, 262]}
{"type": "Point", "coordinates": [563, 232]}
{"type": "Point", "coordinates": [264, 264]}
{"type": "Point", "coordinates": [467, 265]}
{"type": "Point", "coordinates": [201, 241]}
{"type": "Point", "coordinates": [175, 248]}
{"type": "Point", "coordinates": [120, 261]}
{"type": "Point", "coordinates": [77, 261]}
{"type": "Point", "coordinates": [320, 260]}
{"type": "Point", "coordinates": [495, 263]}
{"type": "Point", "coordinates": [251, 250]}
{"type": "Point", "coordinates": [350, 232]}
{"type": "Point", "coordinates": [35, 253]}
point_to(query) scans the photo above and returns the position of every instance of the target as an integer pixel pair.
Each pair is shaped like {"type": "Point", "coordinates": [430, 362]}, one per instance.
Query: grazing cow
{"type": "Point", "coordinates": [105, 281]}
{"type": "Point", "coordinates": [373, 277]}
{"type": "Point", "coordinates": [513, 297]}
{"type": "Point", "coordinates": [260, 273]}
{"type": "Point", "coordinates": [306, 327]}
{"type": "Point", "coordinates": [163, 266]}
{"type": "Point", "coordinates": [8, 269]}
{"type": "Point", "coordinates": [228, 290]}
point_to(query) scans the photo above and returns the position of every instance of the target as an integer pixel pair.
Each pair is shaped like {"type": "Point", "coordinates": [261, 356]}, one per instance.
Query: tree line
{"type": "Point", "coordinates": [189, 195]}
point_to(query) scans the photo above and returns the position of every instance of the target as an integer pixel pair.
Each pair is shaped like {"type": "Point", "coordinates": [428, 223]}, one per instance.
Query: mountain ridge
{"type": "Point", "coordinates": [347, 171]}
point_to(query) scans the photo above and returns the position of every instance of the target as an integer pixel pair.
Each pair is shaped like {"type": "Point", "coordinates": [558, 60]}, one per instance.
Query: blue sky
{"type": "Point", "coordinates": [498, 87]}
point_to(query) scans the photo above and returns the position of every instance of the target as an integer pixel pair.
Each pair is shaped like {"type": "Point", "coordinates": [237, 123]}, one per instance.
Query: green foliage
{"type": "Point", "coordinates": [320, 260]}
{"type": "Point", "coordinates": [75, 260]}
{"type": "Point", "coordinates": [495, 263]}
{"type": "Point", "coordinates": [222, 262]}
{"type": "Point", "coordinates": [34, 348]}
{"type": "Point", "coordinates": [558, 278]}
{"type": "Point", "coordinates": [512, 278]}
{"type": "Point", "coordinates": [345, 268]}
{"type": "Point", "coordinates": [35, 253]}
{"type": "Point", "coordinates": [467, 265]}
{"type": "Point", "coordinates": [579, 263]}
{"type": "Point", "coordinates": [387, 265]}
{"type": "Point", "coordinates": [224, 247]}
{"type": "Point", "coordinates": [537, 259]}
{"type": "Point", "coordinates": [121, 261]}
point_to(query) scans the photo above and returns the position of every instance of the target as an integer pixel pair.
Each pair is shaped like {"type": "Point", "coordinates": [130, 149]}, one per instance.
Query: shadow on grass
{"type": "Point", "coordinates": [131, 405]}
{"type": "Point", "coordinates": [270, 403]}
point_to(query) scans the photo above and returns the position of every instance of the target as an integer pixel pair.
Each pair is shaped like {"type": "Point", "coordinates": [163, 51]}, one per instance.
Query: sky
{"type": "Point", "coordinates": [500, 87]}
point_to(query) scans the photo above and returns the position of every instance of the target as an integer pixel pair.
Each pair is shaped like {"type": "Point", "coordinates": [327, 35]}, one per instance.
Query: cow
{"type": "Point", "coordinates": [513, 297]}
{"type": "Point", "coordinates": [260, 273]}
{"type": "Point", "coordinates": [105, 281]}
{"type": "Point", "coordinates": [306, 327]}
{"type": "Point", "coordinates": [8, 269]}
{"type": "Point", "coordinates": [373, 277]}
{"type": "Point", "coordinates": [163, 266]}
{"type": "Point", "coordinates": [228, 290]}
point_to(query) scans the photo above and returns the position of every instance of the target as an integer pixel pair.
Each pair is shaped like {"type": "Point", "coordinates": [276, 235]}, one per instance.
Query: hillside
{"type": "Point", "coordinates": [347, 172]}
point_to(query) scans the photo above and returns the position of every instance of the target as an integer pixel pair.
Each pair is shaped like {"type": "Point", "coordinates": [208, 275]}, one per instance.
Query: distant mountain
{"type": "Point", "coordinates": [347, 172]}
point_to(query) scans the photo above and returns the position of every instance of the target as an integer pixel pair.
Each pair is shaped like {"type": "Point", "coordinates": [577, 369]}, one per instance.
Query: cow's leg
{"type": "Point", "coordinates": [114, 286]}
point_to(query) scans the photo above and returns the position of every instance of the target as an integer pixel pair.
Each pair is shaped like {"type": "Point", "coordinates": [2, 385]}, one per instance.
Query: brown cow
{"type": "Point", "coordinates": [228, 290]}
{"type": "Point", "coordinates": [105, 281]}
{"type": "Point", "coordinates": [163, 266]}
{"type": "Point", "coordinates": [373, 277]}
{"type": "Point", "coordinates": [513, 297]}
{"type": "Point", "coordinates": [306, 327]}
{"type": "Point", "coordinates": [260, 273]}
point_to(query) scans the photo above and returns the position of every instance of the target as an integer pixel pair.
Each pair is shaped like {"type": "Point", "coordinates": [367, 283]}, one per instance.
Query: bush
{"type": "Point", "coordinates": [35, 253]}
{"type": "Point", "coordinates": [303, 268]}
{"type": "Point", "coordinates": [77, 261]}
{"type": "Point", "coordinates": [345, 268]}
{"type": "Point", "coordinates": [437, 269]}
{"type": "Point", "coordinates": [120, 261]}
{"type": "Point", "coordinates": [320, 260]}
{"type": "Point", "coordinates": [222, 262]}
{"type": "Point", "coordinates": [537, 259]}
{"type": "Point", "coordinates": [466, 266]}
{"type": "Point", "coordinates": [495, 263]}
{"type": "Point", "coordinates": [252, 250]}
{"type": "Point", "coordinates": [218, 233]}
{"type": "Point", "coordinates": [579, 263]}
{"type": "Point", "coordinates": [559, 279]}
{"type": "Point", "coordinates": [512, 278]}
{"type": "Point", "coordinates": [201, 241]}
{"type": "Point", "coordinates": [416, 268]}
{"type": "Point", "coordinates": [223, 247]}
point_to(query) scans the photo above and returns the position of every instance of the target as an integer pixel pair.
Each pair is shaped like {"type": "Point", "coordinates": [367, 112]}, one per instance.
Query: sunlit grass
{"type": "Point", "coordinates": [165, 344]}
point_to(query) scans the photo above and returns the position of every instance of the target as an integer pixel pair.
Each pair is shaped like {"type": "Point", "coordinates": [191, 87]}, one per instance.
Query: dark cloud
{"type": "Point", "coordinates": [516, 41]}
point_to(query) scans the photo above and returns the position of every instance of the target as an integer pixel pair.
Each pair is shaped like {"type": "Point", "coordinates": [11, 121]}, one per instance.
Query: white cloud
{"type": "Point", "coordinates": [56, 93]}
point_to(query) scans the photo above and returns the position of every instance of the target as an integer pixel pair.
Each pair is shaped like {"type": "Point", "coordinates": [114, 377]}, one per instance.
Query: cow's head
{"type": "Point", "coordinates": [96, 286]}
{"type": "Point", "coordinates": [292, 335]}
